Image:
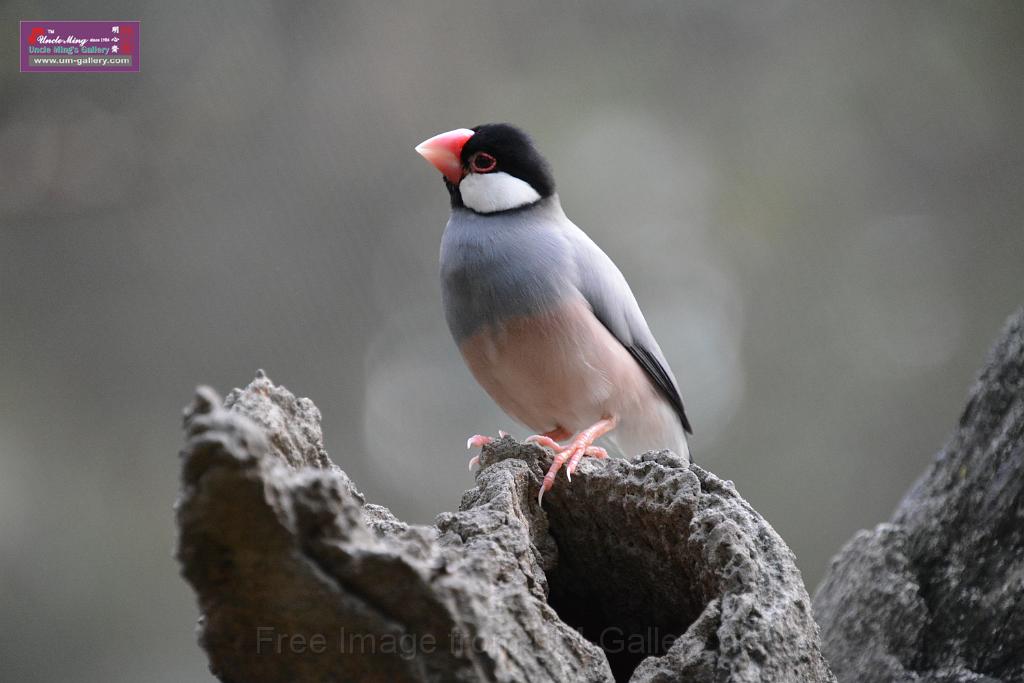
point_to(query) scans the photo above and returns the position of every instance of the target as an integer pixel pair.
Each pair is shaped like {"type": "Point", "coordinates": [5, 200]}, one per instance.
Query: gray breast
{"type": "Point", "coordinates": [503, 265]}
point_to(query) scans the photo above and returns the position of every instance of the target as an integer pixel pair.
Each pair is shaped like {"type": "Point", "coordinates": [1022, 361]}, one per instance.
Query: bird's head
{"type": "Point", "coordinates": [491, 168]}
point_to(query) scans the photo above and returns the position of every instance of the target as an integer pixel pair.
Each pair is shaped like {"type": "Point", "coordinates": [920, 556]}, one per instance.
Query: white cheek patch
{"type": "Point", "coordinates": [490, 192]}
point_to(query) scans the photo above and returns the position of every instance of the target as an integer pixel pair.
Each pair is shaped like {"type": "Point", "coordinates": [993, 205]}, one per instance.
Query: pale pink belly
{"type": "Point", "coordinates": [562, 369]}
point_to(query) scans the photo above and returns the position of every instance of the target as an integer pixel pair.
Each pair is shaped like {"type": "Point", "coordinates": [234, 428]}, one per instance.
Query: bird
{"type": "Point", "coordinates": [542, 316]}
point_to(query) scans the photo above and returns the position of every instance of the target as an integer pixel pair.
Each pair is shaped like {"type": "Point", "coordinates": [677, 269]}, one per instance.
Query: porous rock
{"type": "Point", "coordinates": [644, 570]}
{"type": "Point", "coordinates": [935, 594]}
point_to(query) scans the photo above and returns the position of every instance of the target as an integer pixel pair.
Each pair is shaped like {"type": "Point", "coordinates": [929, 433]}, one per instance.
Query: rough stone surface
{"type": "Point", "coordinates": [936, 593]}
{"type": "Point", "coordinates": [642, 570]}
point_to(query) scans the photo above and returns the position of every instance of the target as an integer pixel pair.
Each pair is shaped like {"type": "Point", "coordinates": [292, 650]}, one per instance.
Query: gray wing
{"type": "Point", "coordinates": [606, 290]}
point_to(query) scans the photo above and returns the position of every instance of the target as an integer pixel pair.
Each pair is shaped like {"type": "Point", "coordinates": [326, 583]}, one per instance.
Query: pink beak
{"type": "Point", "coordinates": [444, 151]}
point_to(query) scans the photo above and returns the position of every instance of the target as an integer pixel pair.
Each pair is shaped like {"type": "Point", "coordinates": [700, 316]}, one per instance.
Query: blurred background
{"type": "Point", "coordinates": [818, 205]}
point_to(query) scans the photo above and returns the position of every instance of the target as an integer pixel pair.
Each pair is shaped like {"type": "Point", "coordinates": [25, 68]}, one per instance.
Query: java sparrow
{"type": "Point", "coordinates": [542, 316]}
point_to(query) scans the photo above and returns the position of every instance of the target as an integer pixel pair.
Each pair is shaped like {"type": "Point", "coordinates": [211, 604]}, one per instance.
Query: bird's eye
{"type": "Point", "coordinates": [482, 162]}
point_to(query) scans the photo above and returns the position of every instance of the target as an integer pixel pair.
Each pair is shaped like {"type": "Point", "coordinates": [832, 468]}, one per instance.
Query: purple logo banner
{"type": "Point", "coordinates": [72, 46]}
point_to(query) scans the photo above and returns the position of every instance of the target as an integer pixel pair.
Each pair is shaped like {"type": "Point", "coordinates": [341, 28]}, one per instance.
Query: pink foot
{"type": "Point", "coordinates": [581, 445]}
{"type": "Point", "coordinates": [479, 441]}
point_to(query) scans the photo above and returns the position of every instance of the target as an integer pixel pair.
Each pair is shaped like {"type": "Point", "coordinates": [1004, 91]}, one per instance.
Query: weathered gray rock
{"type": "Point", "coordinates": [937, 594]}
{"type": "Point", "coordinates": [642, 570]}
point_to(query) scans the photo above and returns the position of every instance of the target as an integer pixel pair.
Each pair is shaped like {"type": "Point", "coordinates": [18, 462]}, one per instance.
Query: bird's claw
{"type": "Point", "coordinates": [571, 454]}
{"type": "Point", "coordinates": [561, 456]}
{"type": "Point", "coordinates": [479, 441]}
{"type": "Point", "coordinates": [545, 442]}
{"type": "Point", "coordinates": [592, 451]}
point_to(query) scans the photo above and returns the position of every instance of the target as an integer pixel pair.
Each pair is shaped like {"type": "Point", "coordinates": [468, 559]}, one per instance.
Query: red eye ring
{"type": "Point", "coordinates": [482, 162]}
